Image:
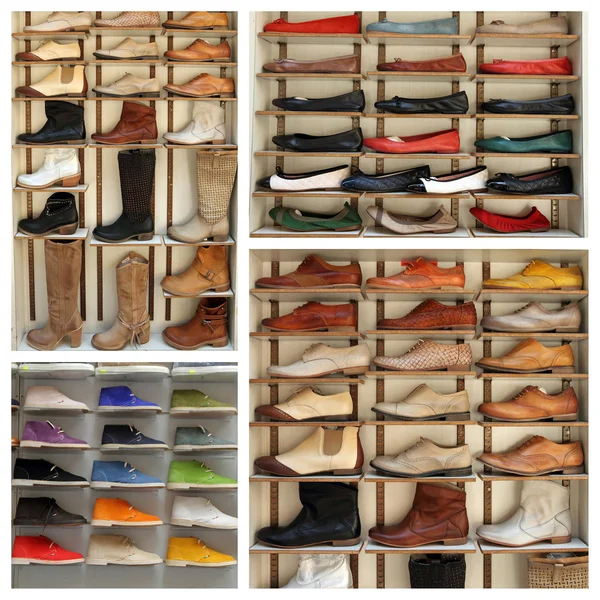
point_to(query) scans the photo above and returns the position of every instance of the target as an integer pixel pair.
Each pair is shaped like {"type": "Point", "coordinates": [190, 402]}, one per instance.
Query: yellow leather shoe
{"type": "Point", "coordinates": [538, 275]}
{"type": "Point", "coordinates": [192, 552]}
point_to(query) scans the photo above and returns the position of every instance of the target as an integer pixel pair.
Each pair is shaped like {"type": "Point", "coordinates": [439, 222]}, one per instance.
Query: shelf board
{"type": "Point", "coordinates": [63, 370]}
{"type": "Point", "coordinates": [417, 334]}
{"type": "Point", "coordinates": [61, 486]}
{"type": "Point", "coordinates": [216, 413]}
{"type": "Point", "coordinates": [412, 196]}
{"type": "Point", "coordinates": [44, 63]}
{"type": "Point", "coordinates": [419, 374]}
{"type": "Point", "coordinates": [21, 146]}
{"type": "Point", "coordinates": [284, 76]}
{"type": "Point", "coordinates": [200, 63]}
{"type": "Point", "coordinates": [260, 548]}
{"type": "Point", "coordinates": [308, 294]}
{"type": "Point", "coordinates": [80, 234]}
{"type": "Point", "coordinates": [54, 35]}
{"type": "Point", "coordinates": [306, 113]}
{"type": "Point", "coordinates": [416, 116]}
{"type": "Point", "coordinates": [132, 373]}
{"type": "Point", "coordinates": [121, 99]}
{"type": "Point", "coordinates": [417, 75]}
{"type": "Point", "coordinates": [523, 40]}
{"type": "Point", "coordinates": [199, 33]}
{"type": "Point", "coordinates": [48, 98]}
{"type": "Point", "coordinates": [566, 376]}
{"type": "Point", "coordinates": [306, 423]}
{"type": "Point", "coordinates": [124, 146]}
{"type": "Point", "coordinates": [313, 194]}
{"type": "Point", "coordinates": [115, 62]}
{"type": "Point", "coordinates": [55, 411]}
{"type": "Point", "coordinates": [291, 154]}
{"type": "Point", "coordinates": [497, 335]}
{"type": "Point", "coordinates": [575, 545]}
{"type": "Point", "coordinates": [152, 411]}
{"type": "Point", "coordinates": [276, 231]}
{"type": "Point", "coordinates": [281, 37]}
{"type": "Point", "coordinates": [515, 295]}
{"type": "Point", "coordinates": [191, 99]}
{"type": "Point", "coordinates": [208, 147]}
{"type": "Point", "coordinates": [394, 422]}
{"type": "Point", "coordinates": [306, 335]}
{"type": "Point", "coordinates": [169, 241]}
{"type": "Point", "coordinates": [522, 116]}
{"type": "Point", "coordinates": [491, 77]}
{"type": "Point", "coordinates": [496, 196]}
{"type": "Point", "coordinates": [532, 424]}
{"type": "Point", "coordinates": [128, 488]}
{"type": "Point", "coordinates": [496, 476]}
{"type": "Point", "coordinates": [524, 155]}
{"type": "Point", "coordinates": [383, 232]}
{"type": "Point", "coordinates": [155, 241]}
{"type": "Point", "coordinates": [417, 294]}
{"type": "Point", "coordinates": [376, 548]}
{"type": "Point", "coordinates": [209, 293]}
{"type": "Point", "coordinates": [226, 487]}
{"type": "Point", "coordinates": [206, 374]}
{"type": "Point", "coordinates": [77, 189]}
{"type": "Point", "coordinates": [310, 381]}
{"type": "Point", "coordinates": [420, 156]}
{"type": "Point", "coordinates": [374, 476]}
{"type": "Point", "coordinates": [129, 30]}
{"type": "Point", "coordinates": [420, 39]}
{"type": "Point", "coordinates": [306, 478]}
{"type": "Point", "coordinates": [551, 233]}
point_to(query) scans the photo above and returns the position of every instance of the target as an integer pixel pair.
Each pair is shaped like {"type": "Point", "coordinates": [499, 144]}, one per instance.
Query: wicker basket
{"type": "Point", "coordinates": [437, 570]}
{"type": "Point", "coordinates": [565, 573]}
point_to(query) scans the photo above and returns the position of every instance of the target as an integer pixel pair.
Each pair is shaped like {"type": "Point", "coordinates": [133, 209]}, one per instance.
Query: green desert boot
{"type": "Point", "coordinates": [186, 401]}
{"type": "Point", "coordinates": [191, 474]}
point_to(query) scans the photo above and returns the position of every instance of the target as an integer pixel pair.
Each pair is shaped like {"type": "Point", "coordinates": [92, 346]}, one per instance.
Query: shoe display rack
{"type": "Point", "coordinates": [174, 194]}
{"type": "Point", "coordinates": [491, 497]}
{"type": "Point", "coordinates": [153, 383]}
{"type": "Point", "coordinates": [565, 212]}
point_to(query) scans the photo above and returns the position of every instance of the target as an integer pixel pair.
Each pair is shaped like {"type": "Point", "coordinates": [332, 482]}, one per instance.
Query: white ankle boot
{"type": "Point", "coordinates": [191, 510]}
{"type": "Point", "coordinates": [61, 166]}
{"type": "Point", "coordinates": [206, 127]}
{"type": "Point", "coordinates": [544, 515]}
{"type": "Point", "coordinates": [331, 571]}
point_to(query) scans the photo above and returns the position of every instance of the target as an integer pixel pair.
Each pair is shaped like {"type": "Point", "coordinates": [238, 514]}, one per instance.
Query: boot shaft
{"type": "Point", "coordinates": [213, 263]}
{"type": "Point", "coordinates": [215, 178]}
{"type": "Point", "coordinates": [132, 289]}
{"type": "Point", "coordinates": [543, 501]}
{"type": "Point", "coordinates": [336, 501]}
{"type": "Point", "coordinates": [437, 503]}
{"type": "Point", "coordinates": [136, 116]}
{"type": "Point", "coordinates": [136, 172]}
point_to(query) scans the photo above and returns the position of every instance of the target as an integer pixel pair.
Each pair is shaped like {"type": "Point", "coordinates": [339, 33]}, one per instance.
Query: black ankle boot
{"type": "Point", "coordinates": [40, 512]}
{"type": "Point", "coordinates": [136, 171]}
{"type": "Point", "coordinates": [329, 515]}
{"type": "Point", "coordinates": [59, 215]}
{"type": "Point", "coordinates": [64, 124]}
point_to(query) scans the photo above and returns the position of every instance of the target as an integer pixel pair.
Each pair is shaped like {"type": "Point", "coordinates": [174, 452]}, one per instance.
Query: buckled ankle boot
{"type": "Point", "coordinates": [137, 124]}
{"type": "Point", "coordinates": [216, 175]}
{"type": "Point", "coordinates": [63, 271]}
{"type": "Point", "coordinates": [209, 271]}
{"type": "Point", "coordinates": [132, 325]}
{"type": "Point", "coordinates": [136, 172]}
{"type": "Point", "coordinates": [438, 515]}
{"type": "Point", "coordinates": [59, 215]}
{"type": "Point", "coordinates": [329, 515]}
{"type": "Point", "coordinates": [64, 123]}
{"type": "Point", "coordinates": [208, 326]}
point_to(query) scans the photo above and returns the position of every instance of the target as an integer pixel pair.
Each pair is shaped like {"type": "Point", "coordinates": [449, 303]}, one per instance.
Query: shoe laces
{"type": "Point", "coordinates": [297, 391]}
{"type": "Point", "coordinates": [51, 504]}
{"type": "Point", "coordinates": [204, 547]}
{"type": "Point", "coordinates": [202, 465]}
{"type": "Point", "coordinates": [417, 345]}
{"type": "Point", "coordinates": [137, 432]}
{"type": "Point", "coordinates": [523, 308]}
{"type": "Point", "coordinates": [529, 442]}
{"type": "Point", "coordinates": [528, 268]}
{"type": "Point", "coordinates": [207, 433]}
{"type": "Point", "coordinates": [58, 430]}
{"type": "Point", "coordinates": [125, 465]}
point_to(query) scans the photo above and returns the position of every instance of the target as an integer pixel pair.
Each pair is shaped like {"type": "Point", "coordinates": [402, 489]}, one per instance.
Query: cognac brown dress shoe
{"type": "Point", "coordinates": [537, 456]}
{"type": "Point", "coordinates": [530, 356]}
{"type": "Point", "coordinates": [338, 64]}
{"type": "Point", "coordinates": [432, 314]}
{"type": "Point", "coordinates": [199, 20]}
{"type": "Point", "coordinates": [204, 86]}
{"type": "Point", "coordinates": [200, 50]}
{"type": "Point", "coordinates": [314, 272]}
{"type": "Point", "coordinates": [420, 274]}
{"type": "Point", "coordinates": [534, 404]}
{"type": "Point", "coordinates": [315, 316]}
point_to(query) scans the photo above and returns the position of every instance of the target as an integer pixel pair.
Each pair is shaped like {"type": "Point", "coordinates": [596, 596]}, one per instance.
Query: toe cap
{"type": "Point", "coordinates": [270, 464]}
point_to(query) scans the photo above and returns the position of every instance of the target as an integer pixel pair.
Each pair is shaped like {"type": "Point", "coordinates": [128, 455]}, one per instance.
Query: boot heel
{"type": "Point", "coordinates": [222, 288]}
{"type": "Point", "coordinates": [76, 337]}
{"type": "Point", "coordinates": [145, 237]}
{"type": "Point", "coordinates": [220, 238]}
{"type": "Point", "coordinates": [68, 229]}
{"type": "Point", "coordinates": [573, 470]}
{"type": "Point", "coordinates": [221, 343]}
{"type": "Point", "coordinates": [455, 541]}
{"type": "Point", "coordinates": [351, 542]}
{"type": "Point", "coordinates": [71, 181]}
{"type": "Point", "coordinates": [227, 95]}
{"type": "Point", "coordinates": [356, 371]}
{"type": "Point", "coordinates": [563, 369]}
{"type": "Point", "coordinates": [565, 539]}
{"type": "Point", "coordinates": [144, 335]}
{"type": "Point", "coordinates": [459, 472]}
{"type": "Point", "coordinates": [570, 288]}
{"type": "Point", "coordinates": [458, 367]}
{"type": "Point", "coordinates": [567, 330]}
{"type": "Point", "coordinates": [565, 418]}
{"type": "Point", "coordinates": [342, 328]}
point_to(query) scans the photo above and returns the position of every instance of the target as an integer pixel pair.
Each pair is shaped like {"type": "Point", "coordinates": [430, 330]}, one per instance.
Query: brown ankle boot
{"type": "Point", "coordinates": [132, 325]}
{"type": "Point", "coordinates": [137, 124]}
{"type": "Point", "coordinates": [208, 326]}
{"type": "Point", "coordinates": [209, 271]}
{"type": "Point", "coordinates": [438, 515]}
{"type": "Point", "coordinates": [63, 270]}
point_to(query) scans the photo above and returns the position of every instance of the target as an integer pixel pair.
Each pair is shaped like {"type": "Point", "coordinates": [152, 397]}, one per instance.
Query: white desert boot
{"type": "Point", "coordinates": [48, 397]}
{"type": "Point", "coordinates": [192, 510]}
{"type": "Point", "coordinates": [118, 550]}
{"type": "Point", "coordinates": [322, 571]}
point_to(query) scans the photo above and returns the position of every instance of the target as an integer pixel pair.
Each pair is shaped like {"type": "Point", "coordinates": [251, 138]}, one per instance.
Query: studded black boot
{"type": "Point", "coordinates": [59, 215]}
{"type": "Point", "coordinates": [136, 172]}
{"type": "Point", "coordinates": [64, 124]}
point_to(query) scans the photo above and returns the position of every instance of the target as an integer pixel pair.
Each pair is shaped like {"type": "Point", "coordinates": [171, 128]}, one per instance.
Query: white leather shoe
{"type": "Point", "coordinates": [63, 21]}
{"type": "Point", "coordinates": [61, 166]}
{"type": "Point", "coordinates": [325, 179]}
{"type": "Point", "coordinates": [48, 397]}
{"type": "Point", "coordinates": [50, 50]}
{"type": "Point", "coordinates": [129, 85]}
{"type": "Point", "coordinates": [470, 180]}
{"type": "Point", "coordinates": [322, 571]}
{"type": "Point", "coordinates": [206, 127]}
{"type": "Point", "coordinates": [191, 510]}
{"type": "Point", "coordinates": [308, 404]}
{"type": "Point", "coordinates": [63, 81]}
{"type": "Point", "coordinates": [118, 550]}
{"type": "Point", "coordinates": [544, 515]}
{"type": "Point", "coordinates": [129, 49]}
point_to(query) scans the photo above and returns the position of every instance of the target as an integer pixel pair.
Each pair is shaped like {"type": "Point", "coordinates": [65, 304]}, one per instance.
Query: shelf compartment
{"type": "Point", "coordinates": [523, 116]}
{"type": "Point", "coordinates": [54, 35]}
{"type": "Point", "coordinates": [169, 241]}
{"type": "Point", "coordinates": [575, 545]}
{"type": "Point", "coordinates": [317, 194]}
{"type": "Point", "coordinates": [383, 232]}
{"type": "Point", "coordinates": [419, 39]}
{"type": "Point", "coordinates": [417, 334]}
{"type": "Point", "coordinates": [275, 231]}
{"type": "Point", "coordinates": [513, 295]}
{"type": "Point", "coordinates": [207, 374]}
{"type": "Point", "coordinates": [523, 40]}
{"type": "Point", "coordinates": [284, 76]}
{"type": "Point", "coordinates": [524, 155]}
{"type": "Point", "coordinates": [306, 113]}
{"type": "Point", "coordinates": [123, 61]}
{"type": "Point", "coordinates": [557, 376]}
{"type": "Point", "coordinates": [416, 116]}
{"type": "Point", "coordinates": [310, 381]}
{"type": "Point", "coordinates": [199, 33]}
{"type": "Point", "coordinates": [376, 548]}
{"type": "Point", "coordinates": [80, 234]}
{"type": "Point", "coordinates": [291, 154]}
{"type": "Point", "coordinates": [532, 424]}
{"type": "Point", "coordinates": [306, 423]}
{"type": "Point", "coordinates": [421, 156]}
{"type": "Point", "coordinates": [306, 478]}
{"type": "Point", "coordinates": [313, 336]}
{"type": "Point", "coordinates": [373, 476]}
{"type": "Point", "coordinates": [308, 294]}
{"type": "Point", "coordinates": [551, 233]}
{"type": "Point", "coordinates": [155, 241]}
{"type": "Point", "coordinates": [77, 189]}
{"type": "Point", "coordinates": [260, 548]}
{"type": "Point", "coordinates": [417, 294]}
{"type": "Point", "coordinates": [185, 99]}
{"type": "Point", "coordinates": [230, 147]}
{"type": "Point", "coordinates": [418, 75]}
{"type": "Point", "coordinates": [491, 77]}
{"type": "Point", "coordinates": [129, 30]}
{"type": "Point", "coordinates": [209, 293]}
{"type": "Point", "coordinates": [285, 37]}
{"type": "Point", "coordinates": [64, 370]}
{"type": "Point", "coordinates": [124, 146]}
{"type": "Point", "coordinates": [132, 373]}
{"type": "Point", "coordinates": [496, 335]}
{"type": "Point", "coordinates": [492, 196]}
{"type": "Point", "coordinates": [419, 374]}
{"type": "Point", "coordinates": [510, 477]}
{"type": "Point", "coordinates": [409, 196]}
{"type": "Point", "coordinates": [394, 422]}
{"type": "Point", "coordinates": [199, 63]}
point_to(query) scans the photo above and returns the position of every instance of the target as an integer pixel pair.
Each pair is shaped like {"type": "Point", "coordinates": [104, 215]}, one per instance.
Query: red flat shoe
{"type": "Point", "coordinates": [546, 66]}
{"type": "Point", "coordinates": [442, 142]}
{"type": "Point", "coordinates": [38, 549]}
{"type": "Point", "coordinates": [347, 24]}
{"type": "Point", "coordinates": [448, 64]}
{"type": "Point", "coordinates": [535, 221]}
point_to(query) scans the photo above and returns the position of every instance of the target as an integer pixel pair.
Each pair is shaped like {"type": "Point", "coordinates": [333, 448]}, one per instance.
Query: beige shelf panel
{"type": "Point", "coordinates": [80, 234]}
{"type": "Point", "coordinates": [508, 295]}
{"type": "Point", "coordinates": [468, 548]}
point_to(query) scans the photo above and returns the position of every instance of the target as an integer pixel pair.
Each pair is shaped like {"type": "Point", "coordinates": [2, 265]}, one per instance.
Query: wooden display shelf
{"type": "Point", "coordinates": [307, 294]}
{"type": "Point", "coordinates": [532, 424]}
{"type": "Point", "coordinates": [510, 295]}
{"type": "Point", "coordinates": [259, 548]}
{"type": "Point", "coordinates": [284, 76]}
{"type": "Point", "coordinates": [575, 545]}
{"type": "Point", "coordinates": [226, 488]}
{"type": "Point", "coordinates": [232, 148]}
{"type": "Point", "coordinates": [551, 233]}
{"type": "Point", "coordinates": [497, 196]}
{"type": "Point", "coordinates": [520, 116]}
{"type": "Point", "coordinates": [50, 488]}
{"type": "Point", "coordinates": [306, 335]}
{"type": "Point", "coordinates": [209, 293]}
{"type": "Point", "coordinates": [417, 334]}
{"type": "Point", "coordinates": [418, 75]}
{"type": "Point", "coordinates": [374, 476]}
{"type": "Point", "coordinates": [77, 189]}
{"type": "Point", "coordinates": [55, 411]}
{"type": "Point", "coordinates": [80, 234]}
{"type": "Point", "coordinates": [523, 40]}
{"type": "Point", "coordinates": [285, 37]}
{"type": "Point", "coordinates": [132, 372]}
{"type": "Point", "coordinates": [21, 146]}
{"type": "Point", "coordinates": [306, 423]}
{"type": "Point", "coordinates": [324, 194]}
{"type": "Point", "coordinates": [200, 63]}
{"type": "Point", "coordinates": [169, 241]}
{"type": "Point", "coordinates": [497, 335]}
{"type": "Point", "coordinates": [123, 98]}
{"type": "Point", "coordinates": [115, 62]}
{"type": "Point", "coordinates": [282, 232]}
{"type": "Point", "coordinates": [129, 488]}
{"type": "Point", "coordinates": [206, 373]}
{"type": "Point", "coordinates": [310, 381]}
{"type": "Point", "coordinates": [155, 241]}
{"type": "Point", "coordinates": [97, 146]}
{"type": "Point", "coordinates": [384, 232]}
{"type": "Point", "coordinates": [306, 113]}
{"type": "Point", "coordinates": [191, 99]}
{"type": "Point", "coordinates": [45, 99]}
{"type": "Point", "coordinates": [44, 63]}
{"type": "Point", "coordinates": [419, 39]}
{"type": "Point", "coordinates": [565, 376]}
{"type": "Point", "coordinates": [199, 33]}
{"type": "Point", "coordinates": [417, 294]}
{"type": "Point", "coordinates": [306, 479]}
{"type": "Point", "coordinates": [54, 35]}
{"type": "Point", "coordinates": [491, 77]}
{"type": "Point", "coordinates": [419, 374]}
{"type": "Point", "coordinates": [396, 422]}
{"type": "Point", "coordinates": [413, 196]}
{"type": "Point", "coordinates": [524, 155]}
{"type": "Point", "coordinates": [419, 156]}
{"type": "Point", "coordinates": [416, 116]}
{"type": "Point", "coordinates": [216, 413]}
{"type": "Point", "coordinates": [292, 154]}
{"type": "Point", "coordinates": [118, 31]}
{"type": "Point", "coordinates": [509, 477]}
{"type": "Point", "coordinates": [376, 548]}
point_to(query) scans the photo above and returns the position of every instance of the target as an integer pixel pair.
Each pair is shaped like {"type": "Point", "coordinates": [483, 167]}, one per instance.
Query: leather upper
{"type": "Point", "coordinates": [39, 547]}
{"type": "Point", "coordinates": [561, 105]}
{"type": "Point", "coordinates": [546, 66]}
{"type": "Point", "coordinates": [338, 64]}
{"type": "Point", "coordinates": [208, 323]}
{"type": "Point", "coordinates": [423, 402]}
{"type": "Point", "coordinates": [388, 182]}
{"type": "Point", "coordinates": [428, 355]}
{"type": "Point", "coordinates": [199, 20]}
{"type": "Point", "coordinates": [308, 404]}
{"type": "Point", "coordinates": [422, 274]}
{"type": "Point", "coordinates": [350, 102]}
{"type": "Point", "coordinates": [203, 85]}
{"type": "Point", "coordinates": [532, 221]}
{"type": "Point", "coordinates": [560, 141]}
{"type": "Point", "coordinates": [540, 275]}
{"type": "Point", "coordinates": [533, 317]}
{"type": "Point", "coordinates": [448, 64]}
{"type": "Point", "coordinates": [345, 141]}
{"type": "Point", "coordinates": [530, 355]}
{"type": "Point", "coordinates": [453, 104]}
{"type": "Point", "coordinates": [314, 315]}
{"type": "Point", "coordinates": [343, 24]}
{"type": "Point", "coordinates": [444, 142]}
{"type": "Point", "coordinates": [549, 181]}
{"type": "Point", "coordinates": [432, 314]}
{"type": "Point", "coordinates": [115, 509]}
{"type": "Point", "coordinates": [201, 50]}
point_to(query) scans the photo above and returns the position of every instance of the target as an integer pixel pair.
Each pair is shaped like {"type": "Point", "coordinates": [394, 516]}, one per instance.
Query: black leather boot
{"type": "Point", "coordinates": [41, 512]}
{"type": "Point", "coordinates": [329, 515]}
{"type": "Point", "coordinates": [136, 172]}
{"type": "Point", "coordinates": [64, 124]}
{"type": "Point", "coordinates": [59, 215]}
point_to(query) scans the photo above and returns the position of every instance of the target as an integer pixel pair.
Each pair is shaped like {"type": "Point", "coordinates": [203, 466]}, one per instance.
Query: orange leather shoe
{"type": "Point", "coordinates": [420, 274]}
{"type": "Point", "coordinates": [530, 356]}
{"type": "Point", "coordinates": [114, 511]}
{"type": "Point", "coordinates": [204, 86]}
{"type": "Point", "coordinates": [537, 456]}
{"type": "Point", "coordinates": [201, 50]}
{"type": "Point", "coordinates": [534, 404]}
{"type": "Point", "coordinates": [314, 316]}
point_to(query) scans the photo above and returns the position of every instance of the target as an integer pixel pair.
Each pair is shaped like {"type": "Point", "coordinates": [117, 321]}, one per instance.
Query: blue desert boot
{"type": "Point", "coordinates": [120, 397]}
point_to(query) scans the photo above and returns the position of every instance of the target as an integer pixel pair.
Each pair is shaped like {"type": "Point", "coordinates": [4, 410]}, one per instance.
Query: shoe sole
{"type": "Point", "coordinates": [556, 540]}
{"type": "Point", "coordinates": [131, 143]}
{"type": "Point", "coordinates": [565, 370]}
{"type": "Point", "coordinates": [188, 563]}
{"type": "Point", "coordinates": [218, 288]}
{"type": "Point", "coordinates": [351, 542]}
{"type": "Point", "coordinates": [186, 523]}
{"type": "Point", "coordinates": [37, 561]}
{"type": "Point", "coordinates": [216, 59]}
{"type": "Point", "coordinates": [105, 57]}
{"type": "Point", "coordinates": [102, 523]}
{"type": "Point", "coordinates": [71, 229]}
{"type": "Point", "coordinates": [68, 181]}
{"type": "Point", "coordinates": [203, 410]}
{"type": "Point", "coordinates": [186, 95]}
{"type": "Point", "coordinates": [540, 230]}
{"type": "Point", "coordinates": [34, 144]}
{"type": "Point", "coordinates": [218, 343]}
{"type": "Point", "coordinates": [202, 486]}
{"type": "Point", "coordinates": [42, 61]}
{"type": "Point", "coordinates": [31, 444]}
{"type": "Point", "coordinates": [437, 473]}
{"type": "Point", "coordinates": [215, 28]}
{"type": "Point", "coordinates": [189, 447]}
{"type": "Point", "coordinates": [103, 563]}
{"type": "Point", "coordinates": [565, 471]}
{"type": "Point", "coordinates": [465, 416]}
{"type": "Point", "coordinates": [541, 330]}
{"type": "Point", "coordinates": [138, 95]}
{"type": "Point", "coordinates": [312, 419]}
{"type": "Point", "coordinates": [539, 420]}
{"type": "Point", "coordinates": [142, 237]}
{"type": "Point", "coordinates": [448, 542]}
{"type": "Point", "coordinates": [334, 473]}
{"type": "Point", "coordinates": [126, 408]}
{"type": "Point", "coordinates": [444, 288]}
{"type": "Point", "coordinates": [349, 371]}
{"type": "Point", "coordinates": [205, 143]}
{"type": "Point", "coordinates": [134, 447]}
{"type": "Point", "coordinates": [21, 523]}
{"type": "Point", "coordinates": [333, 328]}
{"type": "Point", "coordinates": [571, 288]}
{"type": "Point", "coordinates": [32, 482]}
{"type": "Point", "coordinates": [312, 287]}
{"type": "Point", "coordinates": [96, 485]}
{"type": "Point", "coordinates": [434, 328]}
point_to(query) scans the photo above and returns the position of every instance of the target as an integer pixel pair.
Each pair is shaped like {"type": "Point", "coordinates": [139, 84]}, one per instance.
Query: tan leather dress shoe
{"type": "Point", "coordinates": [428, 355]}
{"type": "Point", "coordinates": [199, 20]}
{"type": "Point", "coordinates": [314, 316]}
{"type": "Point", "coordinates": [539, 275]}
{"type": "Point", "coordinates": [130, 86]}
{"type": "Point", "coordinates": [204, 86]}
{"type": "Point", "coordinates": [537, 456]}
{"type": "Point", "coordinates": [424, 404]}
{"type": "Point", "coordinates": [325, 451]}
{"type": "Point", "coordinates": [308, 404]}
{"type": "Point", "coordinates": [129, 49]}
{"type": "Point", "coordinates": [534, 404]}
{"type": "Point", "coordinates": [531, 357]}
{"type": "Point", "coordinates": [200, 50]}
{"type": "Point", "coordinates": [51, 50]}
{"type": "Point", "coordinates": [338, 64]}
{"type": "Point", "coordinates": [426, 459]}
{"type": "Point", "coordinates": [534, 318]}
{"type": "Point", "coordinates": [420, 274]}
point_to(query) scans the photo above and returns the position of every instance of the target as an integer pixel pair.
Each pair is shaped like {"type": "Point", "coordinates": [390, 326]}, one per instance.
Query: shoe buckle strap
{"type": "Point", "coordinates": [206, 273]}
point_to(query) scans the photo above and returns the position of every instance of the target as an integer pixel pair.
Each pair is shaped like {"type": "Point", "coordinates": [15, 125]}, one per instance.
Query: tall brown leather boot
{"type": "Point", "coordinates": [137, 124]}
{"type": "Point", "coordinates": [438, 515]}
{"type": "Point", "coordinates": [208, 326]}
{"type": "Point", "coordinates": [63, 270]}
{"type": "Point", "coordinates": [132, 325]}
{"type": "Point", "coordinates": [209, 271]}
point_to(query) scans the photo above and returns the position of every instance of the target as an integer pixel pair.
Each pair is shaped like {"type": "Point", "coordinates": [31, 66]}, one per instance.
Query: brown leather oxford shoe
{"type": "Point", "coordinates": [432, 314]}
{"type": "Point", "coordinates": [315, 316]}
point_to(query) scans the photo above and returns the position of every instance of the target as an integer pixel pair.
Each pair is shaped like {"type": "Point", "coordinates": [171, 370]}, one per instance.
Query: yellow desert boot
{"type": "Point", "coordinates": [192, 552]}
{"type": "Point", "coordinates": [114, 511]}
{"type": "Point", "coordinates": [538, 275]}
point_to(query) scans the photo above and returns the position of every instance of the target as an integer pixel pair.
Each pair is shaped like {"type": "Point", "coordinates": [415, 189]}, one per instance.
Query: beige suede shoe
{"type": "Point", "coordinates": [63, 21]}
{"type": "Point", "coordinates": [130, 50]}
{"type": "Point", "coordinates": [552, 25]}
{"type": "Point", "coordinates": [118, 550]}
{"type": "Point", "coordinates": [130, 86]}
{"type": "Point", "coordinates": [50, 50]}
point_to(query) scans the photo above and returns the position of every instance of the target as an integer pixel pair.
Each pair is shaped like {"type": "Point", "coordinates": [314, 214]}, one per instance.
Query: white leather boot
{"type": "Point", "coordinates": [322, 571]}
{"type": "Point", "coordinates": [206, 127]}
{"type": "Point", "coordinates": [191, 510]}
{"type": "Point", "coordinates": [61, 166]}
{"type": "Point", "coordinates": [544, 515]}
{"type": "Point", "coordinates": [48, 397]}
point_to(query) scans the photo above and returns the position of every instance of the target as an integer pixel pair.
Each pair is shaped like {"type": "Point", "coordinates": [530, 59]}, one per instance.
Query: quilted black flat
{"type": "Point", "coordinates": [390, 182]}
{"type": "Point", "coordinates": [551, 181]}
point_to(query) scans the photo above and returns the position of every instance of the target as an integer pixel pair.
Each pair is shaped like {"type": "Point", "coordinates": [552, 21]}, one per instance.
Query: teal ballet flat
{"type": "Point", "coordinates": [561, 141]}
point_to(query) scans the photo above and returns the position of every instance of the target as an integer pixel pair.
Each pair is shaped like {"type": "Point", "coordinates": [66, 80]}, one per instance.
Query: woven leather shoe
{"type": "Point", "coordinates": [315, 316]}
{"type": "Point", "coordinates": [534, 318]}
{"type": "Point", "coordinates": [131, 18]}
{"type": "Point", "coordinates": [420, 274]}
{"type": "Point", "coordinates": [539, 275]}
{"type": "Point", "coordinates": [534, 404]}
{"type": "Point", "coordinates": [537, 456]}
{"type": "Point", "coordinates": [432, 314]}
{"type": "Point", "coordinates": [529, 356]}
{"type": "Point", "coordinates": [427, 355]}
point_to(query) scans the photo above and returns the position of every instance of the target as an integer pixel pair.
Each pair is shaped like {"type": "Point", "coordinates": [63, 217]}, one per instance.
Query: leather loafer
{"type": "Point", "coordinates": [346, 141]}
{"type": "Point", "coordinates": [535, 221]}
{"type": "Point", "coordinates": [389, 182]}
{"type": "Point", "coordinates": [350, 102]}
{"type": "Point", "coordinates": [561, 105]}
{"type": "Point", "coordinates": [560, 141]}
{"type": "Point", "coordinates": [550, 181]}
{"type": "Point", "coordinates": [346, 219]}
{"type": "Point", "coordinates": [454, 104]}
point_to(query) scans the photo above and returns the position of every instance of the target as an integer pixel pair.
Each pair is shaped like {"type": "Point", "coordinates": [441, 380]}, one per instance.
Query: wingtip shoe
{"type": "Point", "coordinates": [421, 273]}
{"type": "Point", "coordinates": [314, 316]}
{"type": "Point", "coordinates": [534, 318]}
{"type": "Point", "coordinates": [540, 275]}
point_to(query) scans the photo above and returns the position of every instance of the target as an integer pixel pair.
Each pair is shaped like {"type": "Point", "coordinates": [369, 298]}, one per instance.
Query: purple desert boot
{"type": "Point", "coordinates": [43, 434]}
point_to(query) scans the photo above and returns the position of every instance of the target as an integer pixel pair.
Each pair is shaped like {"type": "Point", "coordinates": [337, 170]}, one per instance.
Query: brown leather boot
{"type": "Point", "coordinates": [137, 124]}
{"type": "Point", "coordinates": [132, 325]}
{"type": "Point", "coordinates": [438, 515]}
{"type": "Point", "coordinates": [63, 270]}
{"type": "Point", "coordinates": [209, 271]}
{"type": "Point", "coordinates": [208, 326]}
